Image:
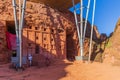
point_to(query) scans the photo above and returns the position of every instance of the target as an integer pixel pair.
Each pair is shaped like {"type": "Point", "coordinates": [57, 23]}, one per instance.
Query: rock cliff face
{"type": "Point", "coordinates": [62, 5]}
{"type": "Point", "coordinates": [47, 30]}
{"type": "Point", "coordinates": [112, 54]}
{"type": "Point", "coordinates": [44, 31]}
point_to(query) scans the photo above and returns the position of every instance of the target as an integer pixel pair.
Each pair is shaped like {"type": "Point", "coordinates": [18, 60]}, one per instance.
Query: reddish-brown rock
{"type": "Point", "coordinates": [111, 54]}
{"type": "Point", "coordinates": [47, 31]}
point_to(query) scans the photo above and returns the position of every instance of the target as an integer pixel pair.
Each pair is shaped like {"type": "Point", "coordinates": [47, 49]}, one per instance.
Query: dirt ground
{"type": "Point", "coordinates": [63, 70]}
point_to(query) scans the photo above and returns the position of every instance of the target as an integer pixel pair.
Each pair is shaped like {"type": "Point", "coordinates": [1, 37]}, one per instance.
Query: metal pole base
{"type": "Point", "coordinates": [79, 58]}
{"type": "Point", "coordinates": [20, 69]}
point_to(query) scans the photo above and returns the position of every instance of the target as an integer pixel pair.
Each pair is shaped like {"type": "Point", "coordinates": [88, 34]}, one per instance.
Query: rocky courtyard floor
{"type": "Point", "coordinates": [63, 70]}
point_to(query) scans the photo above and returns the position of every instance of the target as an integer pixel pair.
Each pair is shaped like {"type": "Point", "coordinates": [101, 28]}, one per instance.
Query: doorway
{"type": "Point", "coordinates": [70, 47]}
{"type": "Point", "coordinates": [11, 37]}
{"type": "Point", "coordinates": [10, 27]}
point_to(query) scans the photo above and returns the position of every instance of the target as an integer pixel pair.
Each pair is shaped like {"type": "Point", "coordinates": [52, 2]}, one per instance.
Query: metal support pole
{"type": "Point", "coordinates": [20, 29]}
{"type": "Point", "coordinates": [76, 21]}
{"type": "Point", "coordinates": [20, 54]}
{"type": "Point", "coordinates": [15, 17]}
{"type": "Point", "coordinates": [23, 13]}
{"type": "Point", "coordinates": [81, 28]}
{"type": "Point", "coordinates": [88, 6]}
{"type": "Point", "coordinates": [92, 25]}
{"type": "Point", "coordinates": [16, 26]}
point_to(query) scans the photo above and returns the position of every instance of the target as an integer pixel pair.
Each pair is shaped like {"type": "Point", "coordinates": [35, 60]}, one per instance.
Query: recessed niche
{"type": "Point", "coordinates": [11, 27]}
{"type": "Point", "coordinates": [52, 39]}
{"type": "Point", "coordinates": [44, 45]}
{"type": "Point", "coordinates": [52, 30]}
{"type": "Point", "coordinates": [44, 29]}
{"type": "Point", "coordinates": [37, 50]}
{"type": "Point", "coordinates": [36, 28]}
{"type": "Point", "coordinates": [60, 30]}
{"type": "Point", "coordinates": [52, 46]}
{"type": "Point", "coordinates": [30, 27]}
{"type": "Point", "coordinates": [59, 47]}
{"type": "Point", "coordinates": [29, 44]}
{"type": "Point", "coordinates": [37, 37]}
{"type": "Point", "coordinates": [44, 38]}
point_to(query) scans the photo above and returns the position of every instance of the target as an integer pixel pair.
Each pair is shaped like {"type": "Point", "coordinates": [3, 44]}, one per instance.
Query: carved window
{"type": "Point", "coordinates": [44, 29]}
{"type": "Point", "coordinates": [30, 27]}
{"type": "Point", "coordinates": [44, 45]}
{"type": "Point", "coordinates": [52, 30]}
{"type": "Point", "coordinates": [44, 38]}
{"type": "Point", "coordinates": [37, 49]}
{"type": "Point", "coordinates": [52, 39]}
{"type": "Point", "coordinates": [36, 28]}
{"type": "Point", "coordinates": [37, 37]}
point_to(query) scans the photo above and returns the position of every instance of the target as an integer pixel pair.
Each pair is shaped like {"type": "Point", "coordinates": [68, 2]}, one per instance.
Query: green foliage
{"type": "Point", "coordinates": [108, 45]}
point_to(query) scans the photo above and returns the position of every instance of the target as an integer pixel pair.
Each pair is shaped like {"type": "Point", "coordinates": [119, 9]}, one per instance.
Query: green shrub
{"type": "Point", "coordinates": [108, 45]}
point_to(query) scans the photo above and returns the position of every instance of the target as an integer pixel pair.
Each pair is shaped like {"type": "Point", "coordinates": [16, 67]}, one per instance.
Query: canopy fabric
{"type": "Point", "coordinates": [11, 41]}
{"type": "Point", "coordinates": [61, 5]}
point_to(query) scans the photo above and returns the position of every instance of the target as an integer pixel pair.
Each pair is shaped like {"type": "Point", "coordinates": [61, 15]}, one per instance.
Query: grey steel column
{"type": "Point", "coordinates": [20, 29]}
{"type": "Point", "coordinates": [92, 25]}
{"type": "Point", "coordinates": [15, 17]}
{"type": "Point", "coordinates": [81, 28]}
{"type": "Point", "coordinates": [86, 19]}
{"type": "Point", "coordinates": [16, 26]}
{"type": "Point", "coordinates": [76, 21]}
{"type": "Point", "coordinates": [23, 13]}
{"type": "Point", "coordinates": [20, 54]}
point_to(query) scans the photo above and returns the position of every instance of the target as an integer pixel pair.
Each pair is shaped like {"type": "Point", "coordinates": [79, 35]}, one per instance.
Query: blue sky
{"type": "Point", "coordinates": [106, 15]}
